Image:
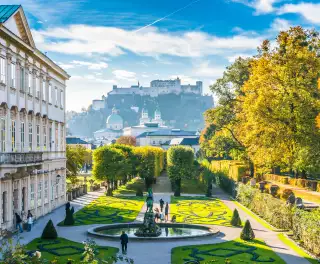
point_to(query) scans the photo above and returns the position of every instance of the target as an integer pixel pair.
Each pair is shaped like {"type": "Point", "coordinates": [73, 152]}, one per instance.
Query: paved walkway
{"type": "Point", "coordinates": [155, 252]}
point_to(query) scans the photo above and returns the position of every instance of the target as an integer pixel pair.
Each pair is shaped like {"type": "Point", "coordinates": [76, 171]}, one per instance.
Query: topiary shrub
{"type": "Point", "coordinates": [49, 232]}
{"type": "Point", "coordinates": [286, 193]}
{"type": "Point", "coordinates": [247, 232]}
{"type": "Point", "coordinates": [139, 193]}
{"type": "Point", "coordinates": [274, 190]}
{"type": "Point", "coordinates": [69, 220]}
{"type": "Point", "coordinates": [235, 220]}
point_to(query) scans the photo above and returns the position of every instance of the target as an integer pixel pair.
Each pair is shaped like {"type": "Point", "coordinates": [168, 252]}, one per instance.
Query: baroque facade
{"type": "Point", "coordinates": [32, 123]}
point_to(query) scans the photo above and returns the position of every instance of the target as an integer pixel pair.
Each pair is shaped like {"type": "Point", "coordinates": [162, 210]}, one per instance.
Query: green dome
{"type": "Point", "coordinates": [114, 119]}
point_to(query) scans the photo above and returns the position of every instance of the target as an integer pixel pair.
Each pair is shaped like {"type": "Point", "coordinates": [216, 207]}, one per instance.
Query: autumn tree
{"type": "Point", "coordinates": [127, 140]}
{"type": "Point", "coordinates": [75, 159]}
{"type": "Point", "coordinates": [277, 106]}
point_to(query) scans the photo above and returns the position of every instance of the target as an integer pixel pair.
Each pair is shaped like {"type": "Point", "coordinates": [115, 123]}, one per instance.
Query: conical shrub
{"type": "Point", "coordinates": [247, 232]}
{"type": "Point", "coordinates": [49, 232]}
{"type": "Point", "coordinates": [235, 220]}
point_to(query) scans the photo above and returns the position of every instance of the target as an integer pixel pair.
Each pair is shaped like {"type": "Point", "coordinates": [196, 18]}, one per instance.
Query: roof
{"type": "Point", "coordinates": [185, 141]}
{"type": "Point", "coordinates": [108, 130]}
{"type": "Point", "coordinates": [114, 119]}
{"type": "Point", "coordinates": [167, 132]}
{"type": "Point", "coordinates": [6, 11]}
{"type": "Point", "coordinates": [75, 141]}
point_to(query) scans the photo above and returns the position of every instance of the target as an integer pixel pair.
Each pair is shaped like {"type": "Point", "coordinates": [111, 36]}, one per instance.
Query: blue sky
{"type": "Point", "coordinates": [99, 42]}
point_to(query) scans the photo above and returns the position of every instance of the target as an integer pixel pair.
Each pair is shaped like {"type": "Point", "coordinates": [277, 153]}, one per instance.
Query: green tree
{"type": "Point", "coordinates": [49, 232]}
{"type": "Point", "coordinates": [180, 165]}
{"type": "Point", "coordinates": [75, 159]}
{"type": "Point", "coordinates": [247, 232]}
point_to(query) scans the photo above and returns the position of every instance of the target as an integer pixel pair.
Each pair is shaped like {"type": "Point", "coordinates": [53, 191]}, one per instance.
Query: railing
{"type": "Point", "coordinates": [20, 158]}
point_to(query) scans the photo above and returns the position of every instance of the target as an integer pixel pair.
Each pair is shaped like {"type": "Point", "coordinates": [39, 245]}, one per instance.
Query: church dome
{"type": "Point", "coordinates": [114, 119]}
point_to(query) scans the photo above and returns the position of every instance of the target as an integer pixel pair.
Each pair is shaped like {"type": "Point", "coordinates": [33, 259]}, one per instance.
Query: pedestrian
{"type": "Point", "coordinates": [19, 223]}
{"type": "Point", "coordinates": [166, 211]}
{"type": "Point", "coordinates": [124, 241]}
{"type": "Point", "coordinates": [161, 204]}
{"type": "Point", "coordinates": [29, 220]}
{"type": "Point", "coordinates": [157, 215]}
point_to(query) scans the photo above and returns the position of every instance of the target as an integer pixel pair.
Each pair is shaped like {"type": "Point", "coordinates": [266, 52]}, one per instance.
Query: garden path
{"type": "Point", "coordinates": [144, 252]}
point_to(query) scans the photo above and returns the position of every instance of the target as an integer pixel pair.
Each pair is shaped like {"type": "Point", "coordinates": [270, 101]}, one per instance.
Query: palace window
{"type": "Point", "coordinates": [39, 193]}
{"type": "Point", "coordinates": [56, 95]}
{"type": "Point", "coordinates": [50, 136]}
{"type": "Point", "coordinates": [2, 70]}
{"type": "Point", "coordinates": [62, 138]}
{"type": "Point", "coordinates": [13, 75]}
{"type": "Point", "coordinates": [45, 137]}
{"type": "Point", "coordinates": [30, 83]}
{"type": "Point", "coordinates": [2, 134]}
{"type": "Point", "coordinates": [22, 77]}
{"type": "Point", "coordinates": [13, 135]}
{"type": "Point", "coordinates": [52, 190]}
{"type": "Point", "coordinates": [46, 196]}
{"type": "Point", "coordinates": [38, 136]}
{"type": "Point", "coordinates": [56, 138]}
{"type": "Point", "coordinates": [32, 196]}
{"type": "Point", "coordinates": [44, 90]}
{"type": "Point", "coordinates": [30, 136]}
{"type": "Point", "coordinates": [37, 87]}
{"type": "Point", "coordinates": [22, 136]}
{"type": "Point", "coordinates": [50, 93]}
{"type": "Point", "coordinates": [4, 206]}
{"type": "Point", "coordinates": [61, 98]}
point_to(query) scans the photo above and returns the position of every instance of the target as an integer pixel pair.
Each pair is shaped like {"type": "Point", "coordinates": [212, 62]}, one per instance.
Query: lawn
{"type": "Point", "coordinates": [200, 210]}
{"type": "Point", "coordinates": [131, 187]}
{"type": "Point", "coordinates": [62, 249]}
{"type": "Point", "coordinates": [108, 210]}
{"type": "Point", "coordinates": [236, 251]}
{"type": "Point", "coordinates": [193, 186]}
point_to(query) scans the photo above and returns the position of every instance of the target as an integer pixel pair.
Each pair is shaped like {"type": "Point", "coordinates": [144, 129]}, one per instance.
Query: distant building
{"type": "Point", "coordinates": [75, 141]}
{"type": "Point", "coordinates": [135, 131]}
{"type": "Point", "coordinates": [161, 137]}
{"type": "Point", "coordinates": [158, 87]}
{"type": "Point", "coordinates": [191, 142]}
{"type": "Point", "coordinates": [114, 127]}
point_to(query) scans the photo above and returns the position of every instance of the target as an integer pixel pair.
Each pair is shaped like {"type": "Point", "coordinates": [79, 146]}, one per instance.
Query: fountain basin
{"type": "Point", "coordinates": [168, 231]}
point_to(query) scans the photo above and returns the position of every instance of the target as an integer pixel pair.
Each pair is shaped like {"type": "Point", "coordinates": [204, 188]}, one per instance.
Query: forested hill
{"type": "Point", "coordinates": [179, 111]}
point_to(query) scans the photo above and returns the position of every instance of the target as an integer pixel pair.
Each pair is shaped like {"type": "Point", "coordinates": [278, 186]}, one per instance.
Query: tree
{"type": "Point", "coordinates": [49, 232]}
{"type": "Point", "coordinates": [75, 159]}
{"type": "Point", "coordinates": [127, 140]}
{"type": "Point", "coordinates": [180, 165]}
{"type": "Point", "coordinates": [247, 232]}
{"type": "Point", "coordinates": [235, 220]}
{"type": "Point", "coordinates": [130, 158]}
{"type": "Point", "coordinates": [277, 108]}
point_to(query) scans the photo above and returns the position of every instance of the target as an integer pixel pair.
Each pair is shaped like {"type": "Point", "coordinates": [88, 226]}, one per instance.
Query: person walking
{"type": "Point", "coordinates": [166, 211]}
{"type": "Point", "coordinates": [124, 241]}
{"type": "Point", "coordinates": [19, 223]}
{"type": "Point", "coordinates": [161, 204]}
{"type": "Point", "coordinates": [29, 220]}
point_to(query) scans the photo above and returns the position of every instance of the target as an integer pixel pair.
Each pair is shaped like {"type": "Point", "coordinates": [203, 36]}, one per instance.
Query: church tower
{"type": "Point", "coordinates": [157, 117]}
{"type": "Point", "coordinates": [144, 116]}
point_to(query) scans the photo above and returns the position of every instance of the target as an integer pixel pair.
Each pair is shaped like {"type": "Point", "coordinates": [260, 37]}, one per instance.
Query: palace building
{"type": "Point", "coordinates": [32, 123]}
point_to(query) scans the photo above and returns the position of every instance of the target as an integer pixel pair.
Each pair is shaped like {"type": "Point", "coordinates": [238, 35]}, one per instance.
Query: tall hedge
{"type": "Point", "coordinates": [179, 165]}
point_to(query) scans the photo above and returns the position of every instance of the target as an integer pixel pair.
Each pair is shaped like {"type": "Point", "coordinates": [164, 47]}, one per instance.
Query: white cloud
{"type": "Point", "coordinates": [91, 65]}
{"type": "Point", "coordinates": [66, 66]}
{"type": "Point", "coordinates": [124, 75]}
{"type": "Point", "coordinates": [260, 6]}
{"type": "Point", "coordinates": [84, 39]}
{"type": "Point", "coordinates": [231, 59]}
{"type": "Point", "coordinates": [310, 11]}
{"type": "Point", "coordinates": [205, 70]}
{"type": "Point", "coordinates": [280, 25]}
{"type": "Point", "coordinates": [145, 75]}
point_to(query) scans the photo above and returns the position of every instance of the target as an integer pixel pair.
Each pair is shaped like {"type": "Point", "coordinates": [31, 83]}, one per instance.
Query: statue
{"type": "Point", "coordinates": [69, 215]}
{"type": "Point", "coordinates": [149, 205]}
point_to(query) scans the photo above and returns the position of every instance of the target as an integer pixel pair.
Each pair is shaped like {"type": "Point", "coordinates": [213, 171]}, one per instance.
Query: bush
{"type": "Point", "coordinates": [286, 193]}
{"type": "Point", "coordinates": [139, 193]}
{"type": "Point", "coordinates": [49, 232]}
{"type": "Point", "coordinates": [235, 220]}
{"type": "Point", "coordinates": [284, 180]}
{"type": "Point", "coordinates": [274, 190]}
{"type": "Point", "coordinates": [302, 183]}
{"type": "Point", "coordinates": [247, 232]}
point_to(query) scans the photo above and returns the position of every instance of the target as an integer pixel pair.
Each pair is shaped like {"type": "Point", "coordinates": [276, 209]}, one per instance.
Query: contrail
{"type": "Point", "coordinates": [160, 19]}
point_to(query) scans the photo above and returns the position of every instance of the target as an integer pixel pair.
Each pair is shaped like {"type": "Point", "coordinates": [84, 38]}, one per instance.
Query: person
{"type": "Point", "coordinates": [19, 223]}
{"type": "Point", "coordinates": [124, 241]}
{"type": "Point", "coordinates": [161, 204]}
{"type": "Point", "coordinates": [29, 221]}
{"type": "Point", "coordinates": [161, 216]}
{"type": "Point", "coordinates": [166, 211]}
{"type": "Point", "coordinates": [157, 215]}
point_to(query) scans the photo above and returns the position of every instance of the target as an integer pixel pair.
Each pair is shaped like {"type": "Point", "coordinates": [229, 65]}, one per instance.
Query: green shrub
{"type": "Point", "coordinates": [284, 180]}
{"type": "Point", "coordinates": [235, 220]}
{"type": "Point", "coordinates": [302, 183]}
{"type": "Point", "coordinates": [274, 190]}
{"type": "Point", "coordinates": [139, 193]}
{"type": "Point", "coordinates": [286, 193]}
{"type": "Point", "coordinates": [247, 232]}
{"type": "Point", "coordinates": [49, 232]}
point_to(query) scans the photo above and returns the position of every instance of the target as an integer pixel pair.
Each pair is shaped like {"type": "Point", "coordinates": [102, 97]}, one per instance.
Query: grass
{"type": "Point", "coordinates": [108, 210]}
{"type": "Point", "coordinates": [193, 186]}
{"type": "Point", "coordinates": [62, 250]}
{"type": "Point", "coordinates": [131, 187]}
{"type": "Point", "coordinates": [200, 210]}
{"type": "Point", "coordinates": [81, 180]}
{"type": "Point", "coordinates": [297, 249]}
{"type": "Point", "coordinates": [236, 251]}
{"type": "Point", "coordinates": [257, 218]}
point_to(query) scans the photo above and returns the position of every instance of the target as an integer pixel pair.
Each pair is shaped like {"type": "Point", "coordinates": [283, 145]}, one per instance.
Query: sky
{"type": "Point", "coordinates": [123, 42]}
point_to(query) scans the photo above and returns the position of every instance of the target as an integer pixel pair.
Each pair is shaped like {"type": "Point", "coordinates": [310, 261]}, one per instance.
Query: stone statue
{"type": "Point", "coordinates": [149, 205]}
{"type": "Point", "coordinates": [150, 194]}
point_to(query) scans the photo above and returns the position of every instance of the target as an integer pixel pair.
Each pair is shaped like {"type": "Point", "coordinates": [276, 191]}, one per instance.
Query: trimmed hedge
{"type": "Point", "coordinates": [305, 225]}
{"type": "Point", "coordinates": [230, 168]}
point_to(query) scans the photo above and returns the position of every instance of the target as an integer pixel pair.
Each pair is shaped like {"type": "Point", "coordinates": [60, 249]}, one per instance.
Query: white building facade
{"type": "Point", "coordinates": [32, 124]}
